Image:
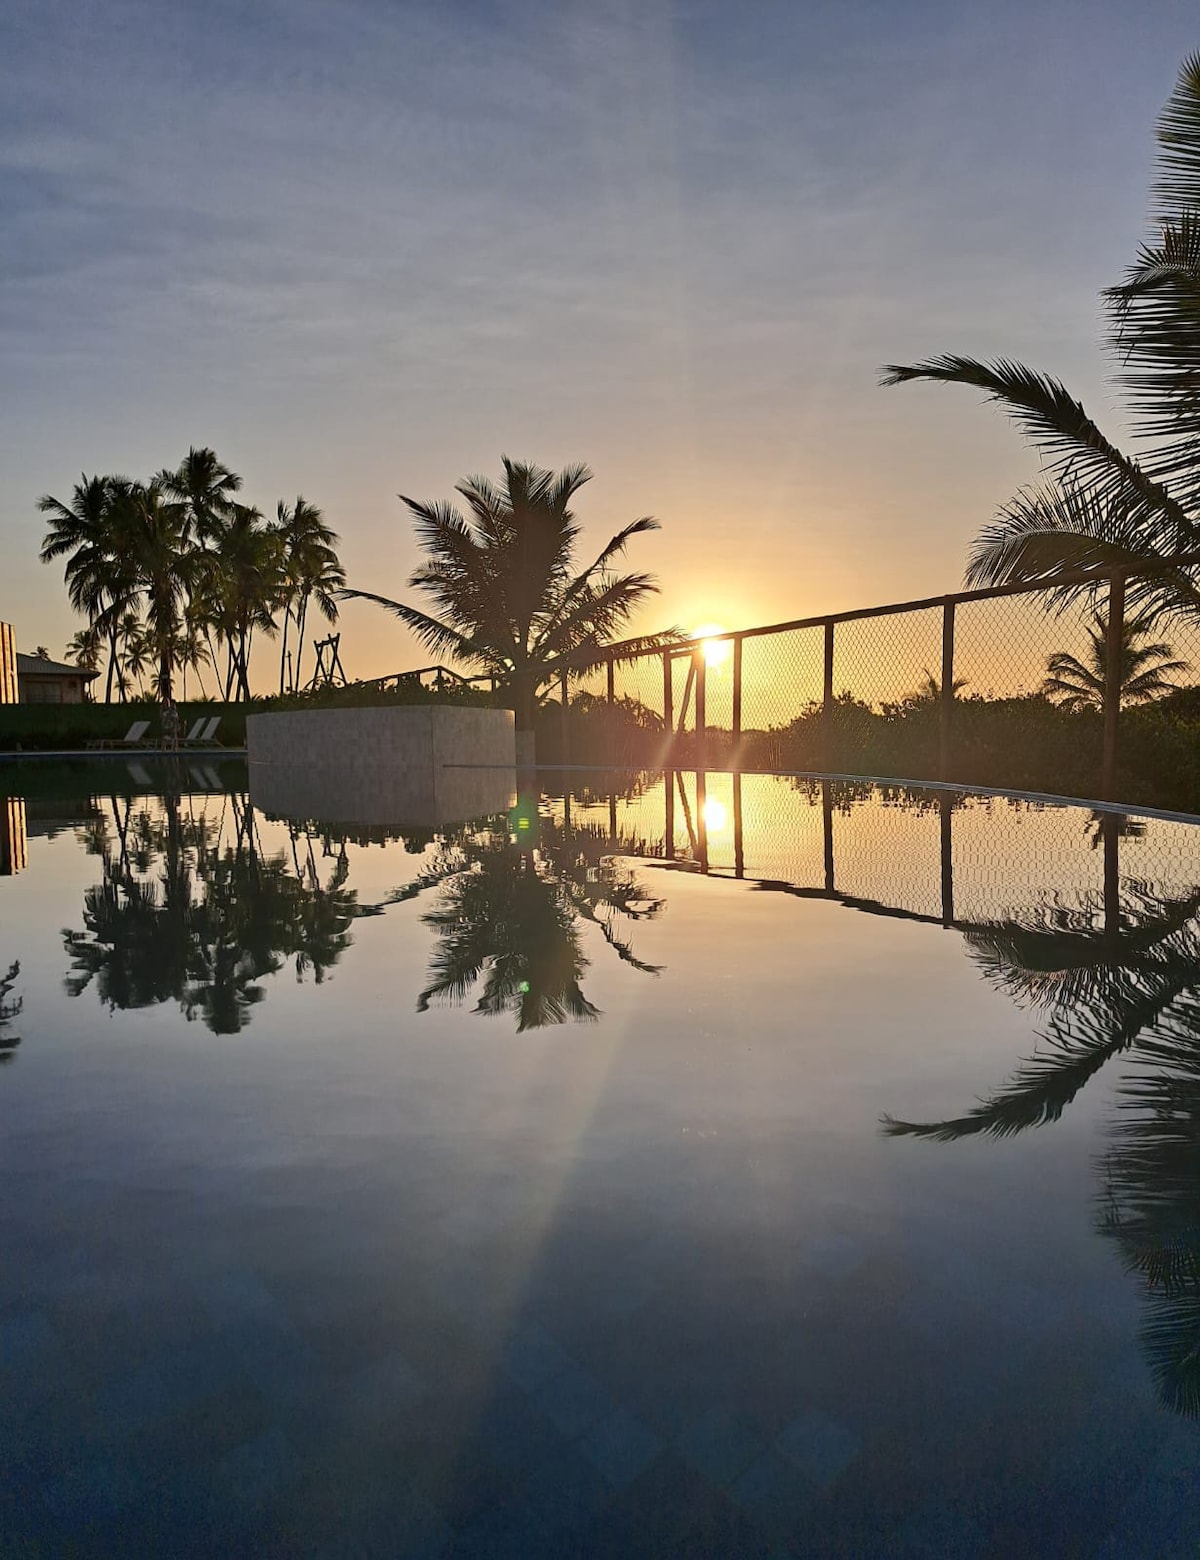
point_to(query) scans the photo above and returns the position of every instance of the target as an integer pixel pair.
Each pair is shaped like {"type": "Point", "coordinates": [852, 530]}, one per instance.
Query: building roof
{"type": "Point", "coordinates": [35, 666]}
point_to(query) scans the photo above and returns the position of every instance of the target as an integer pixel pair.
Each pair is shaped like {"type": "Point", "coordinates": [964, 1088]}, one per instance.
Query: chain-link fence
{"type": "Point", "coordinates": [973, 862]}
{"type": "Point", "coordinates": [1083, 693]}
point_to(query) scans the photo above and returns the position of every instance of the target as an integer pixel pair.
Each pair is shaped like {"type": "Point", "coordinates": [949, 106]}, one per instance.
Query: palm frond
{"type": "Point", "coordinates": [1057, 424]}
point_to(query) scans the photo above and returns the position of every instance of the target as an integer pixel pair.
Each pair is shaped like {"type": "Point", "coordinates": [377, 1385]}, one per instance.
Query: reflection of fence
{"type": "Point", "coordinates": [938, 857]}
{"type": "Point", "coordinates": [948, 688]}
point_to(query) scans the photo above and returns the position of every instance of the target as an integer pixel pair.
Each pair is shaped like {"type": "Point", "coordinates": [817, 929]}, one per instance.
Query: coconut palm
{"type": "Point", "coordinates": [1098, 506]}
{"type": "Point", "coordinates": [98, 584]}
{"type": "Point", "coordinates": [206, 488]}
{"type": "Point", "coordinates": [510, 599]}
{"type": "Point", "coordinates": [86, 648]}
{"type": "Point", "coordinates": [311, 572]}
{"type": "Point", "coordinates": [1080, 685]}
{"type": "Point", "coordinates": [245, 590]}
{"type": "Point", "coordinates": [154, 539]}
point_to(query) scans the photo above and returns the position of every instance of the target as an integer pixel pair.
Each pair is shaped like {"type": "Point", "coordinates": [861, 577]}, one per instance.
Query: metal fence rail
{"type": "Point", "coordinates": [808, 695]}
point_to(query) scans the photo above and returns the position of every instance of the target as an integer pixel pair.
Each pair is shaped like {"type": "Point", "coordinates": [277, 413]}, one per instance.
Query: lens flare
{"type": "Point", "coordinates": [716, 815]}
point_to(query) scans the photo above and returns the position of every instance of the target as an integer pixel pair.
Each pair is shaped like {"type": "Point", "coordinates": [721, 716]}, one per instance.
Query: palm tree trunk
{"type": "Point", "coordinates": [112, 662]}
{"type": "Point", "coordinates": [301, 623]}
{"type": "Point", "coordinates": [287, 613]}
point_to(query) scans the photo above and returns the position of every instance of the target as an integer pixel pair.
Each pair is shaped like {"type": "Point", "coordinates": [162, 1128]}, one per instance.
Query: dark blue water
{"type": "Point", "coordinates": [777, 1173]}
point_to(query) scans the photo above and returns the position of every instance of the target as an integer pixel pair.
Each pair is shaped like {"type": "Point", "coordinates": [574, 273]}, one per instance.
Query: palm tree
{"type": "Point", "coordinates": [511, 602]}
{"type": "Point", "coordinates": [83, 532]}
{"type": "Point", "coordinates": [1080, 685]}
{"type": "Point", "coordinates": [311, 571]}
{"type": "Point", "coordinates": [134, 653]}
{"type": "Point", "coordinates": [86, 648]}
{"type": "Point", "coordinates": [248, 589]}
{"type": "Point", "coordinates": [1099, 507]}
{"type": "Point", "coordinates": [154, 539]}
{"type": "Point", "coordinates": [206, 488]}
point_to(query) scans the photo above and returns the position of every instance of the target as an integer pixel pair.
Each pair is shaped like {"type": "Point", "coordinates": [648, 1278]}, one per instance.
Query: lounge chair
{"type": "Point", "coordinates": [203, 733]}
{"type": "Point", "coordinates": [134, 737]}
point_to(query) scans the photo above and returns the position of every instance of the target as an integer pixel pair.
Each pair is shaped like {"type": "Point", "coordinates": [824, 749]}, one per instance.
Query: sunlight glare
{"type": "Point", "coordinates": [716, 651]}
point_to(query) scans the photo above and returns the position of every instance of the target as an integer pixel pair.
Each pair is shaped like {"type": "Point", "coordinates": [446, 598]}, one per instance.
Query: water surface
{"type": "Point", "coordinates": [718, 1167]}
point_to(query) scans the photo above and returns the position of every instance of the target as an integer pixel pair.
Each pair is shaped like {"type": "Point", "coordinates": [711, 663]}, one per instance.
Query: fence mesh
{"type": "Point", "coordinates": [976, 863]}
{"type": "Point", "coordinates": [1027, 710]}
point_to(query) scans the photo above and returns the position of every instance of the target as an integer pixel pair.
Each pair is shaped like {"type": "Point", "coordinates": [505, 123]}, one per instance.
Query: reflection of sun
{"type": "Point", "coordinates": [715, 815]}
{"type": "Point", "coordinates": [716, 651]}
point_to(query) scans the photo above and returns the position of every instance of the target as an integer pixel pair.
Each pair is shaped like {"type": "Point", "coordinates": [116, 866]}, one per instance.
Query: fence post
{"type": "Point", "coordinates": [946, 821]}
{"type": "Point", "coordinates": [566, 718]}
{"type": "Point", "coordinates": [612, 683]}
{"type": "Point", "coordinates": [701, 712]}
{"type": "Point", "coordinates": [736, 758]}
{"type": "Point", "coordinates": [668, 708]}
{"type": "Point", "coordinates": [1112, 684]}
{"type": "Point", "coordinates": [739, 842]}
{"type": "Point", "coordinates": [827, 832]}
{"type": "Point", "coordinates": [946, 714]}
{"type": "Point", "coordinates": [827, 701]}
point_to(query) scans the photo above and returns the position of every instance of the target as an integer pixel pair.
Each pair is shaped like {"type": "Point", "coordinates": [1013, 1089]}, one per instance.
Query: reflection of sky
{"type": "Point", "coordinates": [365, 247]}
{"type": "Point", "coordinates": [659, 1261]}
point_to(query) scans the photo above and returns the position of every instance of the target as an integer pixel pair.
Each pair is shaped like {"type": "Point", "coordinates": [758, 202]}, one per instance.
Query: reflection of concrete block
{"type": "Point", "coordinates": [392, 766]}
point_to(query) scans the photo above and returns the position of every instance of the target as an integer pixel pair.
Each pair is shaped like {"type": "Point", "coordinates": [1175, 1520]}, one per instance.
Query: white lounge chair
{"type": "Point", "coordinates": [203, 733]}
{"type": "Point", "coordinates": [134, 737]}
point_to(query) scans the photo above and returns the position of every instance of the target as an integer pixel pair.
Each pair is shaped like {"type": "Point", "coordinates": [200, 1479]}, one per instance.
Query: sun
{"type": "Point", "coordinates": [716, 651]}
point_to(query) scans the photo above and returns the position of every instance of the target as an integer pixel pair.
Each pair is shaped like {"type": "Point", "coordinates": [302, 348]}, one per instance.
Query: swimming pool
{"type": "Point", "coordinates": [673, 1167]}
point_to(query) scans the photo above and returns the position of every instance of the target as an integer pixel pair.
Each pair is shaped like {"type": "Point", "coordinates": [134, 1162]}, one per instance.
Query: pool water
{"type": "Point", "coordinates": [671, 1167]}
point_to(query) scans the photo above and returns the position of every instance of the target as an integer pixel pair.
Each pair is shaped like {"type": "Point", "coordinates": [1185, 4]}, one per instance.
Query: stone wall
{"type": "Point", "coordinates": [392, 765]}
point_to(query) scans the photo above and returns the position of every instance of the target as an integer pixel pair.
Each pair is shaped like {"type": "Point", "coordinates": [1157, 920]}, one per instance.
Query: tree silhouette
{"type": "Point", "coordinates": [179, 917]}
{"type": "Point", "coordinates": [1115, 984]}
{"type": "Point", "coordinates": [1080, 685]}
{"type": "Point", "coordinates": [505, 581]}
{"type": "Point", "coordinates": [511, 894]}
{"type": "Point", "coordinates": [1098, 506]}
{"type": "Point", "coordinates": [10, 1008]}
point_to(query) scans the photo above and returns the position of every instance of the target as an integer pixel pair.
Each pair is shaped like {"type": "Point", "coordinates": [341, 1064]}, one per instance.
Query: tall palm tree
{"type": "Point", "coordinates": [154, 537]}
{"type": "Point", "coordinates": [1099, 506]}
{"type": "Point", "coordinates": [98, 584]}
{"type": "Point", "coordinates": [510, 599]}
{"type": "Point", "coordinates": [1080, 685]}
{"type": "Point", "coordinates": [248, 589]}
{"type": "Point", "coordinates": [207, 488]}
{"type": "Point", "coordinates": [86, 648]}
{"type": "Point", "coordinates": [311, 571]}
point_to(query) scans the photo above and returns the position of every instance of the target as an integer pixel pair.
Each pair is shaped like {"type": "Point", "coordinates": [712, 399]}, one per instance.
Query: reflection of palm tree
{"type": "Point", "coordinates": [1131, 987]}
{"type": "Point", "coordinates": [10, 1008]}
{"type": "Point", "coordinates": [1080, 685]}
{"type": "Point", "coordinates": [501, 915]}
{"type": "Point", "coordinates": [1152, 1206]}
{"type": "Point", "coordinates": [176, 918]}
{"type": "Point", "coordinates": [511, 894]}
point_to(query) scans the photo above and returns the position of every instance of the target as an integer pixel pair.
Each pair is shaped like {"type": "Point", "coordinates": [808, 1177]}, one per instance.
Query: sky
{"type": "Point", "coordinates": [365, 248]}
